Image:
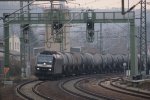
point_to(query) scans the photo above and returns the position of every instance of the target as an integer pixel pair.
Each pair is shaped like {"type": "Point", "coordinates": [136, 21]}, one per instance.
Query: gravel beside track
{"type": "Point", "coordinates": [8, 93]}
{"type": "Point", "coordinates": [92, 86]}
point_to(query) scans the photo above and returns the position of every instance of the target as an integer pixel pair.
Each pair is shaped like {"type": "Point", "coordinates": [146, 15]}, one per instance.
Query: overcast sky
{"type": "Point", "coordinates": [95, 4]}
{"type": "Point", "coordinates": [105, 4]}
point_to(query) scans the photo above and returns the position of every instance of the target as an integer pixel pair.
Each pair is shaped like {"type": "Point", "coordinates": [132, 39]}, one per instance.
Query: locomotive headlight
{"type": "Point", "coordinates": [49, 69]}
{"type": "Point", "coordinates": [38, 68]}
{"type": "Point", "coordinates": [44, 63]}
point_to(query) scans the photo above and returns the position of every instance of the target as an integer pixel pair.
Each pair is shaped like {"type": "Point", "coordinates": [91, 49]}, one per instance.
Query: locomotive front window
{"type": "Point", "coordinates": [45, 59]}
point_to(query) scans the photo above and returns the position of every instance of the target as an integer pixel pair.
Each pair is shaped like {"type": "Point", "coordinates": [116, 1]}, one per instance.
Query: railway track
{"type": "Point", "coordinates": [107, 88]}
{"type": "Point", "coordinates": [71, 87]}
{"type": "Point", "coordinates": [28, 91]}
{"type": "Point", "coordinates": [89, 87]}
{"type": "Point", "coordinates": [116, 87]}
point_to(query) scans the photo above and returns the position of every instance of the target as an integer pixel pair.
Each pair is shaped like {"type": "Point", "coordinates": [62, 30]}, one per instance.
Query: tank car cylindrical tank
{"type": "Point", "coordinates": [67, 63]}
{"type": "Point", "coordinates": [78, 63]}
{"type": "Point", "coordinates": [88, 63]}
{"type": "Point", "coordinates": [84, 64]}
{"type": "Point", "coordinates": [98, 62]}
{"type": "Point", "coordinates": [119, 60]}
{"type": "Point", "coordinates": [107, 63]}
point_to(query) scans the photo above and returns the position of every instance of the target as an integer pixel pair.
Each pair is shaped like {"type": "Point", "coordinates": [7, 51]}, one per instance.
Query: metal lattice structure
{"type": "Point", "coordinates": [143, 68]}
{"type": "Point", "coordinates": [143, 39]}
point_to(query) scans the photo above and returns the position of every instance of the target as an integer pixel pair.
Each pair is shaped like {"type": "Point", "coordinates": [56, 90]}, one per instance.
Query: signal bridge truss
{"type": "Point", "coordinates": [72, 17]}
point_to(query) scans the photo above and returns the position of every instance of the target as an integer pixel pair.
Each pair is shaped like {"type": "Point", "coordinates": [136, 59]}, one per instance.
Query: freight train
{"type": "Point", "coordinates": [52, 64]}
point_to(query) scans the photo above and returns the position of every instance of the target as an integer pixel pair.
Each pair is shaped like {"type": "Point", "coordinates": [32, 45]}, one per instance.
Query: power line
{"type": "Point", "coordinates": [6, 16]}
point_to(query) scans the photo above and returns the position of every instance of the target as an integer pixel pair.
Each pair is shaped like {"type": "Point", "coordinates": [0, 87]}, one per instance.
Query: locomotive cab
{"type": "Point", "coordinates": [48, 65]}
{"type": "Point", "coordinates": [44, 64]}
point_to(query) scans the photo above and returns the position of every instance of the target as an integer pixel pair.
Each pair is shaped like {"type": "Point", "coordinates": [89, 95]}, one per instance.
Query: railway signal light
{"type": "Point", "coordinates": [57, 31]}
{"type": "Point", "coordinates": [57, 25]}
{"type": "Point", "coordinates": [90, 30]}
{"type": "Point", "coordinates": [90, 25]}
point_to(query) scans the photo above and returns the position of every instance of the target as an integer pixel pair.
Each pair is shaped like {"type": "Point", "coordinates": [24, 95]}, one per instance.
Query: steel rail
{"type": "Point", "coordinates": [20, 92]}
{"type": "Point", "coordinates": [90, 95]}
{"type": "Point", "coordinates": [124, 90]}
{"type": "Point", "coordinates": [34, 89]}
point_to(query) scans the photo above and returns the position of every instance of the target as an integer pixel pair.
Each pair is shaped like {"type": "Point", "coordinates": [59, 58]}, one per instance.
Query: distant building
{"type": "Point", "coordinates": [14, 44]}
{"type": "Point", "coordinates": [14, 47]}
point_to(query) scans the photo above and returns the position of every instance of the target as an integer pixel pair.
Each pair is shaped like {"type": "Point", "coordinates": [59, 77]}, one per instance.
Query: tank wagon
{"type": "Point", "coordinates": [52, 64]}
